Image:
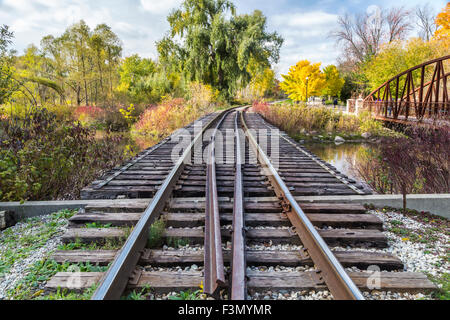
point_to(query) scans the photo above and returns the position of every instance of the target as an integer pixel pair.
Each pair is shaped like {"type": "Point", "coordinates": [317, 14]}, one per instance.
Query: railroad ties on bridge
{"type": "Point", "coordinates": [252, 205]}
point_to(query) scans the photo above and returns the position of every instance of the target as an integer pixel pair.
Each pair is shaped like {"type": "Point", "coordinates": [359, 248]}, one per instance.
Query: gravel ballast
{"type": "Point", "coordinates": [27, 243]}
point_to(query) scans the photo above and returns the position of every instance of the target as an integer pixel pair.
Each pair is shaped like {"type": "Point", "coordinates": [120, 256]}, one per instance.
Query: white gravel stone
{"type": "Point", "coordinates": [18, 270]}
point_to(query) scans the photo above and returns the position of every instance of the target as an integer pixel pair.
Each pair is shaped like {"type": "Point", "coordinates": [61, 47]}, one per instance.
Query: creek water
{"type": "Point", "coordinates": [344, 157]}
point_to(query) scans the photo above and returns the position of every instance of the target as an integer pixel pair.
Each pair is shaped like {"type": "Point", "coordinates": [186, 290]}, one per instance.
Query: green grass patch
{"type": "Point", "coordinates": [177, 242]}
{"type": "Point", "coordinates": [138, 295]}
{"type": "Point", "coordinates": [34, 233]}
{"type": "Point", "coordinates": [443, 293]}
{"type": "Point", "coordinates": [64, 294]}
{"type": "Point", "coordinates": [96, 225]}
{"type": "Point", "coordinates": [155, 235]}
{"type": "Point", "coordinates": [30, 287]}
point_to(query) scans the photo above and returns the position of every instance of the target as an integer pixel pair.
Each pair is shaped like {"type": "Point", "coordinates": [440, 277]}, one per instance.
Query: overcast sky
{"type": "Point", "coordinates": [304, 24]}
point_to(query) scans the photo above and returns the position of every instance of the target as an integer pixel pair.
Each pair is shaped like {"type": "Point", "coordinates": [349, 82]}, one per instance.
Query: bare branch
{"type": "Point", "coordinates": [426, 21]}
{"type": "Point", "coordinates": [399, 23]}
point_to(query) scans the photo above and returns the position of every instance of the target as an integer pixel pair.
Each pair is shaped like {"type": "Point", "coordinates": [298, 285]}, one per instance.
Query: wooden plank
{"type": "Point", "coordinates": [92, 235]}
{"type": "Point", "coordinates": [161, 281]}
{"type": "Point", "coordinates": [368, 221]}
{"type": "Point", "coordinates": [269, 204]}
{"type": "Point", "coordinates": [332, 208]}
{"type": "Point", "coordinates": [115, 219]}
{"type": "Point", "coordinates": [140, 182]}
{"type": "Point", "coordinates": [354, 237]}
{"type": "Point", "coordinates": [179, 220]}
{"type": "Point", "coordinates": [291, 258]}
{"type": "Point", "coordinates": [74, 281]}
{"type": "Point", "coordinates": [97, 257]}
{"type": "Point", "coordinates": [389, 281]}
{"type": "Point", "coordinates": [134, 205]}
{"type": "Point", "coordinates": [333, 237]}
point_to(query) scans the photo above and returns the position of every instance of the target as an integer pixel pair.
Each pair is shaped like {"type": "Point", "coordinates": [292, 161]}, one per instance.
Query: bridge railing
{"type": "Point", "coordinates": [407, 110]}
{"type": "Point", "coordinates": [420, 92]}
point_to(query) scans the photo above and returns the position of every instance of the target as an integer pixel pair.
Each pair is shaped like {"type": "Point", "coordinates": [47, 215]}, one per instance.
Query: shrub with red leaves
{"type": "Point", "coordinates": [418, 163]}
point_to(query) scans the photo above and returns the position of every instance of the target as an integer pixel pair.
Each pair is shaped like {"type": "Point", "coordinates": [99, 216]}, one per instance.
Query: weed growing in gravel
{"type": "Point", "coordinates": [138, 295]}
{"type": "Point", "coordinates": [177, 242]}
{"type": "Point", "coordinates": [31, 286]}
{"type": "Point", "coordinates": [110, 244]}
{"type": "Point", "coordinates": [155, 235]}
{"type": "Point", "coordinates": [64, 294]}
{"type": "Point", "coordinates": [21, 241]}
{"type": "Point", "coordinates": [443, 282]}
{"type": "Point", "coordinates": [187, 295]}
{"type": "Point", "coordinates": [96, 225]}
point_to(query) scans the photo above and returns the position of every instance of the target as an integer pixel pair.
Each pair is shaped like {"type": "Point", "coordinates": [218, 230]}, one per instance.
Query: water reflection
{"type": "Point", "coordinates": [344, 157]}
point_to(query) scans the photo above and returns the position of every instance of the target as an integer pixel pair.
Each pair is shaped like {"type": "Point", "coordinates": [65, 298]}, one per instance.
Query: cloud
{"type": "Point", "coordinates": [158, 6]}
{"type": "Point", "coordinates": [33, 19]}
{"type": "Point", "coordinates": [308, 20]}
{"type": "Point", "coordinates": [306, 36]}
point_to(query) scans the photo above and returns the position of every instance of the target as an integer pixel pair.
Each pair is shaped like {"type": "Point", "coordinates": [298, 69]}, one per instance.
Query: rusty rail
{"type": "Point", "coordinates": [213, 256]}
{"type": "Point", "coordinates": [331, 271]}
{"type": "Point", "coordinates": [115, 280]}
{"type": "Point", "coordinates": [238, 264]}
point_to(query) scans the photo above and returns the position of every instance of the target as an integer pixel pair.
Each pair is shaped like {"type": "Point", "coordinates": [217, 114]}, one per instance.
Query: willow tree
{"type": "Point", "coordinates": [215, 45]}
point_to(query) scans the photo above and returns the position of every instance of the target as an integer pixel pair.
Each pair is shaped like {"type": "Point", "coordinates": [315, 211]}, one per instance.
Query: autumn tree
{"type": "Point", "coordinates": [216, 44]}
{"type": "Point", "coordinates": [261, 83]}
{"type": "Point", "coordinates": [443, 24]}
{"type": "Point", "coordinates": [303, 80]}
{"type": "Point", "coordinates": [333, 82]}
{"type": "Point", "coordinates": [397, 57]}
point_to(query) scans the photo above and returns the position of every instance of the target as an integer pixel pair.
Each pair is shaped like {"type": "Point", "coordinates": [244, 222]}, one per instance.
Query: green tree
{"type": "Point", "coordinates": [134, 73]}
{"type": "Point", "coordinates": [84, 62]}
{"type": "Point", "coordinates": [6, 72]}
{"type": "Point", "coordinates": [216, 44]}
{"type": "Point", "coordinates": [333, 82]}
{"type": "Point", "coordinates": [105, 41]}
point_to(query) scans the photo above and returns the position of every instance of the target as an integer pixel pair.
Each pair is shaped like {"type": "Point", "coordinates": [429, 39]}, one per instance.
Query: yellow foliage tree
{"type": "Point", "coordinates": [333, 82]}
{"type": "Point", "coordinates": [443, 24]}
{"type": "Point", "coordinates": [303, 80]}
{"type": "Point", "coordinates": [262, 81]}
{"type": "Point", "coordinates": [398, 56]}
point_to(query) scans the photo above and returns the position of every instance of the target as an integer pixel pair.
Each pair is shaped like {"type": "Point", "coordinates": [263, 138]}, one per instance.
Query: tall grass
{"type": "Point", "coordinates": [297, 119]}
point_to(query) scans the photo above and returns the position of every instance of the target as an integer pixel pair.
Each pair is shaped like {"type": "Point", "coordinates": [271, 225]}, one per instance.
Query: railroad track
{"type": "Point", "coordinates": [238, 204]}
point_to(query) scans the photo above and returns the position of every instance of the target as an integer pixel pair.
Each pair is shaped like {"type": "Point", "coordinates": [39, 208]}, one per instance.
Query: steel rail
{"type": "Point", "coordinates": [238, 263]}
{"type": "Point", "coordinates": [214, 276]}
{"type": "Point", "coordinates": [115, 280]}
{"type": "Point", "coordinates": [331, 271]}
